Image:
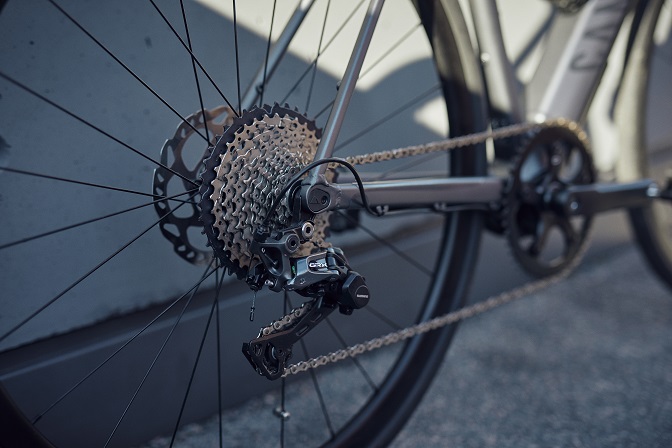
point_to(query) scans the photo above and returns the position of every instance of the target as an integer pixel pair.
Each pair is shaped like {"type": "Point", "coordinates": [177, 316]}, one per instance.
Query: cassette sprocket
{"type": "Point", "coordinates": [251, 162]}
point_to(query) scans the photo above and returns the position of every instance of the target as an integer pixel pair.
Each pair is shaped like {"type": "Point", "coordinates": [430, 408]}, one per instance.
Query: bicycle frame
{"type": "Point", "coordinates": [563, 87]}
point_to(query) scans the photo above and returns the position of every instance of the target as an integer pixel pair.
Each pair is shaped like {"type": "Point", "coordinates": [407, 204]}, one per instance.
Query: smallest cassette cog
{"type": "Point", "coordinates": [542, 237]}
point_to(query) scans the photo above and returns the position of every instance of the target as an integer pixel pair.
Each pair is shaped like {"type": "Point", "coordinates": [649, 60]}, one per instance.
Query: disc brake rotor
{"type": "Point", "coordinates": [253, 160]}
{"type": "Point", "coordinates": [176, 227]}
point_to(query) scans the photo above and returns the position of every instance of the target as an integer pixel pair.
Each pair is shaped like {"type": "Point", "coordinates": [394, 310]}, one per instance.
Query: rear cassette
{"type": "Point", "coordinates": [250, 164]}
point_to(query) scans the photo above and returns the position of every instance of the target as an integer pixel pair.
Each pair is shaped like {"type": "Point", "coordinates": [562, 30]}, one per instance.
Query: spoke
{"type": "Point", "coordinates": [123, 346]}
{"type": "Point", "coordinates": [389, 116]}
{"type": "Point", "coordinates": [80, 182]}
{"type": "Point", "coordinates": [194, 58]}
{"type": "Point", "coordinates": [268, 52]}
{"type": "Point", "coordinates": [193, 66]}
{"type": "Point", "coordinates": [316, 384]}
{"type": "Point", "coordinates": [91, 125]}
{"type": "Point", "coordinates": [392, 324]}
{"type": "Point", "coordinates": [85, 276]}
{"type": "Point", "coordinates": [235, 41]}
{"type": "Point", "coordinates": [198, 358]}
{"type": "Point", "coordinates": [307, 70]}
{"type": "Point", "coordinates": [219, 364]}
{"type": "Point", "coordinates": [389, 245]}
{"type": "Point", "coordinates": [358, 364]}
{"type": "Point", "coordinates": [121, 63]}
{"type": "Point", "coordinates": [283, 388]}
{"type": "Point", "coordinates": [324, 109]}
{"type": "Point", "coordinates": [369, 68]}
{"type": "Point", "coordinates": [318, 391]}
{"type": "Point", "coordinates": [413, 161]}
{"type": "Point", "coordinates": [156, 358]}
{"type": "Point", "coordinates": [88, 221]}
{"type": "Point", "coordinates": [319, 50]}
{"type": "Point", "coordinates": [390, 50]}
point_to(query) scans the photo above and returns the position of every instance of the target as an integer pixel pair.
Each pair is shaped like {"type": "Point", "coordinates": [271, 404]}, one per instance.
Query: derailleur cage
{"type": "Point", "coordinates": [324, 276]}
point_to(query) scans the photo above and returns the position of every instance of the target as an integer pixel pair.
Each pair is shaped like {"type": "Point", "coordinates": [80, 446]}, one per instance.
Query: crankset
{"type": "Point", "coordinates": [543, 238]}
{"type": "Point", "coordinates": [552, 195]}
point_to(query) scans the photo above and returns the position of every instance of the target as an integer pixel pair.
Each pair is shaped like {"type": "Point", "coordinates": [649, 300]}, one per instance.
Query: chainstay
{"type": "Point", "coordinates": [476, 309]}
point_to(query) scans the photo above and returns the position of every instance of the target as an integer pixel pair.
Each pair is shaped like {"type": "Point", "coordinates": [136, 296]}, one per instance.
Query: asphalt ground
{"type": "Point", "coordinates": [584, 363]}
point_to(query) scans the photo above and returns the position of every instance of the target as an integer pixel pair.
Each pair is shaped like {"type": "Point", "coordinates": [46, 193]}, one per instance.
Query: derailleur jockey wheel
{"type": "Point", "coordinates": [543, 237]}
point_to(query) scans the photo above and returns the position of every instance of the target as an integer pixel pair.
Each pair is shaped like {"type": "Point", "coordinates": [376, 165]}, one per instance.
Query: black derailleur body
{"type": "Point", "coordinates": [324, 276]}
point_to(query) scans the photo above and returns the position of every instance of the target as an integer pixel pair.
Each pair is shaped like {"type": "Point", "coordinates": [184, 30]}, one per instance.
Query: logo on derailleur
{"type": "Point", "coordinates": [318, 265]}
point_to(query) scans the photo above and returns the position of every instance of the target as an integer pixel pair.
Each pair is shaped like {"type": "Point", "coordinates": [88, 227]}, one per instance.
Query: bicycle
{"type": "Point", "coordinates": [236, 172]}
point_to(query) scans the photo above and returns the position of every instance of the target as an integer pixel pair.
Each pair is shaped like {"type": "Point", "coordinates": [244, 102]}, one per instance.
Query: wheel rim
{"type": "Point", "coordinates": [62, 278]}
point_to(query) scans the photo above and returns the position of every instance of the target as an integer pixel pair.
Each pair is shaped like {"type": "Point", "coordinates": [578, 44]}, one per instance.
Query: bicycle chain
{"type": "Point", "coordinates": [287, 321]}
{"type": "Point", "coordinates": [465, 312]}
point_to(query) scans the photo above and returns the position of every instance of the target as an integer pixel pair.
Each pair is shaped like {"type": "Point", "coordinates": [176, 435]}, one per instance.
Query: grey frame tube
{"type": "Point", "coordinates": [571, 69]}
{"type": "Point", "coordinates": [422, 192]}
{"type": "Point", "coordinates": [346, 89]}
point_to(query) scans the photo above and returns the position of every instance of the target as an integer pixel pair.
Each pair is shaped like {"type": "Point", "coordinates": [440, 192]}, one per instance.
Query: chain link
{"type": "Point", "coordinates": [469, 311]}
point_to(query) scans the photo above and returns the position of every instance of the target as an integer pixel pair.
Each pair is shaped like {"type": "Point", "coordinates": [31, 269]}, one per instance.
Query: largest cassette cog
{"type": "Point", "coordinates": [250, 164]}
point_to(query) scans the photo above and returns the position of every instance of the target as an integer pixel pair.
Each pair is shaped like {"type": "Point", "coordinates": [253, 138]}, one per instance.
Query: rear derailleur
{"type": "Point", "coordinates": [325, 277]}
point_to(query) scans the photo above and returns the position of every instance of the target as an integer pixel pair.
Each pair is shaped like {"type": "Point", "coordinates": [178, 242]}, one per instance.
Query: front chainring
{"type": "Point", "coordinates": [542, 237]}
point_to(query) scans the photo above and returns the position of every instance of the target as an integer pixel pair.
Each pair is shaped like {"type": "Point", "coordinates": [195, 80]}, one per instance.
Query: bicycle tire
{"type": "Point", "coordinates": [385, 409]}
{"type": "Point", "coordinates": [650, 224]}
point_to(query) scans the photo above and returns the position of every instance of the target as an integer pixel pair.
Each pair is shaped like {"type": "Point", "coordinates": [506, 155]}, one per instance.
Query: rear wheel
{"type": "Point", "coordinates": [85, 377]}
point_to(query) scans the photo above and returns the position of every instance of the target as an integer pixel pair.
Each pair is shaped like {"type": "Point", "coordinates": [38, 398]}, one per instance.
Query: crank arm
{"type": "Point", "coordinates": [598, 198]}
{"type": "Point", "coordinates": [269, 354]}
